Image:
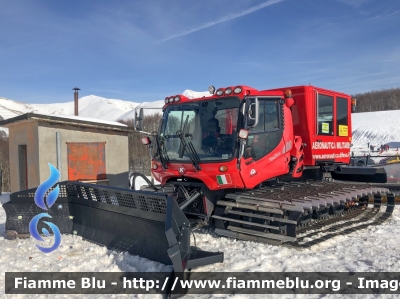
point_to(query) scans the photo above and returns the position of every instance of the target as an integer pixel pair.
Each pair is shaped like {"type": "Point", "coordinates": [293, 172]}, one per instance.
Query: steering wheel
{"type": "Point", "coordinates": [210, 141]}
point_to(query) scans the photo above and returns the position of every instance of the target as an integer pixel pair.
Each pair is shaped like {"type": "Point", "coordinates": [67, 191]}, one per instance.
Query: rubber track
{"type": "Point", "coordinates": [350, 217]}
{"type": "Point", "coordinates": [360, 214]}
{"type": "Point", "coordinates": [378, 217]}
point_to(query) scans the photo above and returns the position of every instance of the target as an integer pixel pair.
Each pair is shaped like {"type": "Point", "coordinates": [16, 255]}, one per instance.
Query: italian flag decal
{"type": "Point", "coordinates": [224, 179]}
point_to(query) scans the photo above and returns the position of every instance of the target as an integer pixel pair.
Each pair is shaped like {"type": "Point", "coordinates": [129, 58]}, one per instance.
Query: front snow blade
{"type": "Point", "coordinates": [359, 174]}
{"type": "Point", "coordinates": [143, 223]}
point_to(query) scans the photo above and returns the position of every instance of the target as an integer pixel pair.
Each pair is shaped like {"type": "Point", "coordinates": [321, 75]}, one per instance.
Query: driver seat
{"type": "Point", "coordinates": [212, 128]}
{"type": "Point", "coordinates": [211, 134]}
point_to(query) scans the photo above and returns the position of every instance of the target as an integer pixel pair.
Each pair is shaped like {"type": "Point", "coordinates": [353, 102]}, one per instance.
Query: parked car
{"type": "Point", "coordinates": [362, 161]}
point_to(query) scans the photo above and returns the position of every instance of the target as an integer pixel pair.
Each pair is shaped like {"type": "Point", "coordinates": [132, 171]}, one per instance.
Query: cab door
{"type": "Point", "coordinates": [332, 129]}
{"type": "Point", "coordinates": [343, 129]}
{"type": "Point", "coordinates": [324, 146]}
{"type": "Point", "coordinates": [264, 152]}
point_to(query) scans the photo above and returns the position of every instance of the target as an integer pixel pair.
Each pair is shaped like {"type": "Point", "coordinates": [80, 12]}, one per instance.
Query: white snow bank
{"type": "Point", "coordinates": [377, 128]}
{"type": "Point", "coordinates": [5, 197]}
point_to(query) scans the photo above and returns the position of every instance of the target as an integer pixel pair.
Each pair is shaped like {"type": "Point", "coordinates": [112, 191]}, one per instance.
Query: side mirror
{"type": "Point", "coordinates": [146, 140]}
{"type": "Point", "coordinates": [252, 112]}
{"type": "Point", "coordinates": [139, 116]}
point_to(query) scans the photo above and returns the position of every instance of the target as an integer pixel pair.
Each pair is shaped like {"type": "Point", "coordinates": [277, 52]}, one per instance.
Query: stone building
{"type": "Point", "coordinates": [83, 149]}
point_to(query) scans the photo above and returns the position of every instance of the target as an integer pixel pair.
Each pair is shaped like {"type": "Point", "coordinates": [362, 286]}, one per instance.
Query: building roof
{"type": "Point", "coordinates": [70, 120]}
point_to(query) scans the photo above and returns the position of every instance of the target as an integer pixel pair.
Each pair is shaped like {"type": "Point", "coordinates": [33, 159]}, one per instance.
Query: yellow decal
{"type": "Point", "coordinates": [343, 130]}
{"type": "Point", "coordinates": [325, 128]}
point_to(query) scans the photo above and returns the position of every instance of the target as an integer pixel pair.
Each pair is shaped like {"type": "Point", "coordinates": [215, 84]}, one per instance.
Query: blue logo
{"type": "Point", "coordinates": [50, 200]}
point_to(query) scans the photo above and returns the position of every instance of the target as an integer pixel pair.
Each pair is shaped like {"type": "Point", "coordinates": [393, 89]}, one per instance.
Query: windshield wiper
{"type": "Point", "coordinates": [161, 150]}
{"type": "Point", "coordinates": [192, 154]}
{"type": "Point", "coordinates": [184, 131]}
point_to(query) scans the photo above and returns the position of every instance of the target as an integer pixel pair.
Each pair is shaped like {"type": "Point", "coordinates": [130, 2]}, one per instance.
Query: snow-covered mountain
{"type": "Point", "coordinates": [95, 107]}
{"type": "Point", "coordinates": [376, 128]}
{"type": "Point", "coordinates": [89, 106]}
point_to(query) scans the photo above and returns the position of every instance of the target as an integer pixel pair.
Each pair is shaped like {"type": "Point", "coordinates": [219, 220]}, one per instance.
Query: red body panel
{"type": "Point", "coordinates": [208, 174]}
{"type": "Point", "coordinates": [304, 112]}
{"type": "Point", "coordinates": [270, 166]}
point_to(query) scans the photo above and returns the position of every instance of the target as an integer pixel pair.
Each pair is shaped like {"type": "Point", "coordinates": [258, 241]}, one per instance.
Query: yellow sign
{"type": "Point", "coordinates": [325, 128]}
{"type": "Point", "coordinates": [343, 130]}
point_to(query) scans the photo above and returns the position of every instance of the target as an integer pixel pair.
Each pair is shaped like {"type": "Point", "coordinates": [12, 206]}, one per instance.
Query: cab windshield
{"type": "Point", "coordinates": [206, 130]}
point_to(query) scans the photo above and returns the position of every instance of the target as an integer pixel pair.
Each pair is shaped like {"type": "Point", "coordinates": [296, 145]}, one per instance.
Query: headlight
{"type": "Point", "coordinates": [238, 89]}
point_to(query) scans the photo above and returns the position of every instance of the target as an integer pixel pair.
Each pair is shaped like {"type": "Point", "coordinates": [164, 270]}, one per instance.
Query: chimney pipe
{"type": "Point", "coordinates": [76, 100]}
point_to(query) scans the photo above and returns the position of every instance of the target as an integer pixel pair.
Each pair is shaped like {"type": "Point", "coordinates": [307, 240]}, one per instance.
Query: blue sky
{"type": "Point", "coordinates": [146, 50]}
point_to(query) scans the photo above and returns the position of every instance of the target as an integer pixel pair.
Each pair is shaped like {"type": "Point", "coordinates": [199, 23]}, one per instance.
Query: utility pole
{"type": "Point", "coordinates": [76, 100]}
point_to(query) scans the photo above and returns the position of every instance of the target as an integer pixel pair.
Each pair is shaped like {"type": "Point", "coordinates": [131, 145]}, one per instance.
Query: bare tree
{"type": "Point", "coordinates": [139, 156]}
{"type": "Point", "coordinates": [388, 99]}
{"type": "Point", "coordinates": [5, 164]}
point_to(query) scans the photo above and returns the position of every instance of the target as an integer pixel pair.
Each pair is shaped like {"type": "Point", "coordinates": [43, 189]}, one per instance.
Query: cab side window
{"type": "Point", "coordinates": [342, 117]}
{"type": "Point", "coordinates": [266, 136]}
{"type": "Point", "coordinates": [268, 117]}
{"type": "Point", "coordinates": [325, 115]}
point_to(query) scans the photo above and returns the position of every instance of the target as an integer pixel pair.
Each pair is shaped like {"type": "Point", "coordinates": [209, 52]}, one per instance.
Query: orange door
{"type": "Point", "coordinates": [86, 161]}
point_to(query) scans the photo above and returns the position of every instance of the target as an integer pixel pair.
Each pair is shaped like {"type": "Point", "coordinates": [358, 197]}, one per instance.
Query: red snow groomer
{"type": "Point", "coordinates": [261, 165]}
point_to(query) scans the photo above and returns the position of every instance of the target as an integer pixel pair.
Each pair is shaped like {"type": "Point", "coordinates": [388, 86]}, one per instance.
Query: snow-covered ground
{"type": "Point", "coordinates": [377, 128]}
{"type": "Point", "coordinates": [368, 250]}
{"type": "Point", "coordinates": [73, 255]}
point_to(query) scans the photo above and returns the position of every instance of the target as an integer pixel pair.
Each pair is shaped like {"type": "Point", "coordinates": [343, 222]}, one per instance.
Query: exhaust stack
{"type": "Point", "coordinates": [76, 100]}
